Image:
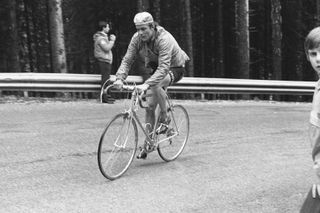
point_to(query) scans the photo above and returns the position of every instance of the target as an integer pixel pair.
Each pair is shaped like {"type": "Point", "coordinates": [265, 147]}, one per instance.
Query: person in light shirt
{"type": "Point", "coordinates": [312, 49]}
{"type": "Point", "coordinates": [103, 44]}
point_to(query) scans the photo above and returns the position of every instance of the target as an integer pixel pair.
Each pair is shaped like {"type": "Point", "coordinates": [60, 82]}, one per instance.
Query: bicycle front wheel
{"type": "Point", "coordinates": [117, 146]}
{"type": "Point", "coordinates": [172, 143]}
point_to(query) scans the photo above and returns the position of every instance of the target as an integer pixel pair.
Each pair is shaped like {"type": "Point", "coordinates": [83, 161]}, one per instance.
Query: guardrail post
{"type": "Point", "coordinates": [25, 94]}
{"type": "Point", "coordinates": [202, 97]}
{"type": "Point", "coordinates": [271, 97]}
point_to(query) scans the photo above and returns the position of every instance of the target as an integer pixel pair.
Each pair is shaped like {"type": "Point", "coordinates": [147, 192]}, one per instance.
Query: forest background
{"type": "Point", "coordinates": [256, 39]}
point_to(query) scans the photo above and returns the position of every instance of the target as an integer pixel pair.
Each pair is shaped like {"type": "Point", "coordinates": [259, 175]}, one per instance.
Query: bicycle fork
{"type": "Point", "coordinates": [118, 143]}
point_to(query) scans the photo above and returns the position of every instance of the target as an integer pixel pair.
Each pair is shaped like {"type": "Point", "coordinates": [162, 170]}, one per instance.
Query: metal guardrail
{"type": "Point", "coordinates": [58, 82]}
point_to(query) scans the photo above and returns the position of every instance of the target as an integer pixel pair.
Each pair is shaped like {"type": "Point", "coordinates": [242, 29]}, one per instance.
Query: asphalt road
{"type": "Point", "coordinates": [241, 157]}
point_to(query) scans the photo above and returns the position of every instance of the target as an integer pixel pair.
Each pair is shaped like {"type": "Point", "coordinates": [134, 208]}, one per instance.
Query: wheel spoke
{"type": "Point", "coordinates": [117, 146]}
{"type": "Point", "coordinates": [171, 146]}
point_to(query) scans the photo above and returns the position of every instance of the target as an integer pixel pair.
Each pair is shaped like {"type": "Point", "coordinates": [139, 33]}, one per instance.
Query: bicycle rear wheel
{"type": "Point", "coordinates": [177, 134]}
{"type": "Point", "coordinates": [117, 146]}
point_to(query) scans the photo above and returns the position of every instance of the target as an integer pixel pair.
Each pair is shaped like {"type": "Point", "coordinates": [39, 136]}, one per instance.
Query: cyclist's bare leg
{"type": "Point", "coordinates": [150, 120]}
{"type": "Point", "coordinates": [150, 114]}
{"type": "Point", "coordinates": [160, 95]}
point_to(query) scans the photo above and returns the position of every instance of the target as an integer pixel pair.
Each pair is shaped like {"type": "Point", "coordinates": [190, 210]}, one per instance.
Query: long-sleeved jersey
{"type": "Point", "coordinates": [162, 51]}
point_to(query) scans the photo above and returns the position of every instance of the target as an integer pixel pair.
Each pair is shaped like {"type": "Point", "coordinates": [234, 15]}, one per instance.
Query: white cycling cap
{"type": "Point", "coordinates": [142, 18]}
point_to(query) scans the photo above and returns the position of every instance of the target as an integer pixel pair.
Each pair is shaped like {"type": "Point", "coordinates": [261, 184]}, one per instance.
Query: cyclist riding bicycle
{"type": "Point", "coordinates": [161, 53]}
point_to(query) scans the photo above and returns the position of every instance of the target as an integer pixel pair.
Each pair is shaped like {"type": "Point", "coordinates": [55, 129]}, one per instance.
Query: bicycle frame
{"type": "Point", "coordinates": [119, 140]}
{"type": "Point", "coordinates": [136, 100]}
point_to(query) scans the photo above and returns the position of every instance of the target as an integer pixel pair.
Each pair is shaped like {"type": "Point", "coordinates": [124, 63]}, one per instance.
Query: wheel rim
{"type": "Point", "coordinates": [179, 131]}
{"type": "Point", "coordinates": [117, 146]}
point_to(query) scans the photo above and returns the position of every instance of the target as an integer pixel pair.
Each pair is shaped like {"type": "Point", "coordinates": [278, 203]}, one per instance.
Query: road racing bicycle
{"type": "Point", "coordinates": [119, 140]}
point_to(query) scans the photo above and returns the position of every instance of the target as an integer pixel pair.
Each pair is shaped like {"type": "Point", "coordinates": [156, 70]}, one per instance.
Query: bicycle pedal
{"type": "Point", "coordinates": [143, 154]}
{"type": "Point", "coordinates": [162, 129]}
{"type": "Point", "coordinates": [150, 148]}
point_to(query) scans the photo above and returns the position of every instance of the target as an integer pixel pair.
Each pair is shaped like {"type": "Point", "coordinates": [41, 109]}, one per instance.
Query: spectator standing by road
{"type": "Point", "coordinates": [312, 49]}
{"type": "Point", "coordinates": [103, 44]}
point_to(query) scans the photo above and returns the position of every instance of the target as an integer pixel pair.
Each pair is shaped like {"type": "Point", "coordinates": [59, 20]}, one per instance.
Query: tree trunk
{"type": "Point", "coordinates": [57, 36]}
{"type": "Point", "coordinates": [28, 34]}
{"type": "Point", "coordinates": [267, 47]}
{"type": "Point", "coordinates": [300, 54]}
{"type": "Point", "coordinates": [187, 23]}
{"type": "Point", "coordinates": [157, 10]}
{"type": "Point", "coordinates": [318, 12]}
{"type": "Point", "coordinates": [142, 5]}
{"type": "Point", "coordinates": [220, 44]}
{"type": "Point", "coordinates": [49, 33]}
{"type": "Point", "coordinates": [36, 40]}
{"type": "Point", "coordinates": [276, 38]}
{"type": "Point", "coordinates": [13, 42]}
{"type": "Point", "coordinates": [201, 36]}
{"type": "Point", "coordinates": [242, 37]}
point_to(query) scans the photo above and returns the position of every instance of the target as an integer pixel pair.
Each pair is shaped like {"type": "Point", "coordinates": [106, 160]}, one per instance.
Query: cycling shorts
{"type": "Point", "coordinates": [176, 74]}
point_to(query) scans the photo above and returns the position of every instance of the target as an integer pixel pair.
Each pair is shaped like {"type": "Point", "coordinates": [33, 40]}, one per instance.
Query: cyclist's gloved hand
{"type": "Point", "coordinates": [143, 87]}
{"type": "Point", "coordinates": [118, 84]}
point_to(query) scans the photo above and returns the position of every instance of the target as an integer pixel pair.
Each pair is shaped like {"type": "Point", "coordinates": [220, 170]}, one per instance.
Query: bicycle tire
{"type": "Point", "coordinates": [117, 146]}
{"type": "Point", "coordinates": [170, 149]}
